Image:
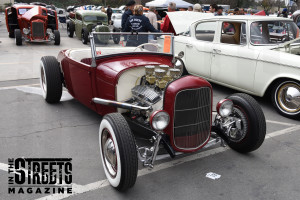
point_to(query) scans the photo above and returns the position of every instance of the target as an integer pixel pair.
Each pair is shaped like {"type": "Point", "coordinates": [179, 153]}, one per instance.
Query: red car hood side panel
{"type": "Point", "coordinates": [109, 69]}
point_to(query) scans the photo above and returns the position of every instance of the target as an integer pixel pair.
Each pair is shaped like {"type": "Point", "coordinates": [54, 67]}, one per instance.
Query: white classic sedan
{"type": "Point", "coordinates": [254, 54]}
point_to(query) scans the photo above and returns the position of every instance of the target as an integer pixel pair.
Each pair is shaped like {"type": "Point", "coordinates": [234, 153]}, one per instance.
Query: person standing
{"type": "Point", "coordinates": [167, 25]}
{"type": "Point", "coordinates": [283, 14]}
{"type": "Point", "coordinates": [213, 8]}
{"type": "Point", "coordinates": [152, 16]}
{"type": "Point", "coordinates": [109, 13]}
{"type": "Point", "coordinates": [219, 11]}
{"type": "Point", "coordinates": [190, 8]}
{"type": "Point", "coordinates": [138, 23]}
{"type": "Point", "coordinates": [197, 8]}
{"type": "Point", "coordinates": [130, 6]}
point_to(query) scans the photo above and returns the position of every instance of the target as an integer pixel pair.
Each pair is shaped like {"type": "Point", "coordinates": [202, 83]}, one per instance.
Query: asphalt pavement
{"type": "Point", "coordinates": [31, 128]}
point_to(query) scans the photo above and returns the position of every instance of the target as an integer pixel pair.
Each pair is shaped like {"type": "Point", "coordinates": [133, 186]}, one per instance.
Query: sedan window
{"type": "Point", "coordinates": [273, 32]}
{"type": "Point", "coordinates": [205, 31]}
{"type": "Point", "coordinates": [233, 33]}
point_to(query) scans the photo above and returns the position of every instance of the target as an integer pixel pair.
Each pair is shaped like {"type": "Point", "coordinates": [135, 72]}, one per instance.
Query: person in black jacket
{"type": "Point", "coordinates": [109, 13]}
{"type": "Point", "coordinates": [138, 23]}
{"type": "Point", "coordinates": [130, 6]}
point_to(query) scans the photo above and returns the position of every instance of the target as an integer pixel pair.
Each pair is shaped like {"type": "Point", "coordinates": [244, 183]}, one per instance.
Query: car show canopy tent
{"type": "Point", "coordinates": [165, 3]}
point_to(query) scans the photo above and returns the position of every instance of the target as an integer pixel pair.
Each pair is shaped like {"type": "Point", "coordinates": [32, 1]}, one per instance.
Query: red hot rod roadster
{"type": "Point", "coordinates": [143, 89]}
{"type": "Point", "coordinates": [32, 23]}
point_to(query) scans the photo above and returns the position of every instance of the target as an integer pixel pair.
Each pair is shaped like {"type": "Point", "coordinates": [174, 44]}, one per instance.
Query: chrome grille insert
{"type": "Point", "coordinates": [38, 29]}
{"type": "Point", "coordinates": [192, 119]}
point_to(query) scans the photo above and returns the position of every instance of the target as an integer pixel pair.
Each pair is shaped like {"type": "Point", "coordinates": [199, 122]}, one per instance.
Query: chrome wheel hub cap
{"type": "Point", "coordinates": [289, 97]}
{"type": "Point", "coordinates": [109, 154]}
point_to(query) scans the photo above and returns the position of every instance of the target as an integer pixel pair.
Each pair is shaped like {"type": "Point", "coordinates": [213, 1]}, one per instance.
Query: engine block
{"type": "Point", "coordinates": [146, 94]}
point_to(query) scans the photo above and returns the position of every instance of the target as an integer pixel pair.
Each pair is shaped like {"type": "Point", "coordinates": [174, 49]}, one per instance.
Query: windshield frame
{"type": "Point", "coordinates": [94, 48]}
{"type": "Point", "coordinates": [274, 44]}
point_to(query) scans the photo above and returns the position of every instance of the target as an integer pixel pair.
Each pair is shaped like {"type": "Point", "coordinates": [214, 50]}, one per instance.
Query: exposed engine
{"type": "Point", "coordinates": [150, 91]}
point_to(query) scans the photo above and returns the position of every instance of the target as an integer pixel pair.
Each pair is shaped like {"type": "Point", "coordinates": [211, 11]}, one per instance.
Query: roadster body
{"type": "Point", "coordinates": [32, 23]}
{"type": "Point", "coordinates": [247, 53]}
{"type": "Point", "coordinates": [142, 90]}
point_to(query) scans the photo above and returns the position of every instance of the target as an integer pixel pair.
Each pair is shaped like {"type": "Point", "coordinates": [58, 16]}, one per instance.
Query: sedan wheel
{"type": "Point", "coordinates": [286, 98]}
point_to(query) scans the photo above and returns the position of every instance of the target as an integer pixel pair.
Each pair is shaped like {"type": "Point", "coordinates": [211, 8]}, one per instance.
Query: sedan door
{"type": "Point", "coordinates": [199, 49]}
{"type": "Point", "coordinates": [233, 63]}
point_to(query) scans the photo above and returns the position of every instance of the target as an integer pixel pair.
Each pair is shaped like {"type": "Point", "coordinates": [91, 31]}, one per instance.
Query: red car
{"type": "Point", "coordinates": [32, 23]}
{"type": "Point", "coordinates": [143, 90]}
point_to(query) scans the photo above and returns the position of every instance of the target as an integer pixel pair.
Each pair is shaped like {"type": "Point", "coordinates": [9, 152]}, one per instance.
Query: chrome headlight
{"type": "Point", "coordinates": [159, 120]}
{"type": "Point", "coordinates": [26, 31]}
{"type": "Point", "coordinates": [49, 31]}
{"type": "Point", "coordinates": [225, 107]}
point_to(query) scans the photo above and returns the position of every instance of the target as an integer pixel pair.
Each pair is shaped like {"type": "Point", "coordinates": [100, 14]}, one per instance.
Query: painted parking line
{"type": "Point", "coordinates": [159, 167]}
{"type": "Point", "coordinates": [18, 86]}
{"type": "Point", "coordinates": [16, 63]}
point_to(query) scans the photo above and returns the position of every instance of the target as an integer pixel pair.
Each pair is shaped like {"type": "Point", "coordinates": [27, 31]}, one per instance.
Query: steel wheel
{"type": "Point", "coordinates": [109, 153]}
{"type": "Point", "coordinates": [237, 134]}
{"type": "Point", "coordinates": [43, 81]}
{"type": "Point", "coordinates": [286, 98]}
{"type": "Point", "coordinates": [118, 151]}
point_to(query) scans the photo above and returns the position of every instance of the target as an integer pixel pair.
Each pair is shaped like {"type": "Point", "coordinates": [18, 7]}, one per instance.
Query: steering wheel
{"type": "Point", "coordinates": [141, 45]}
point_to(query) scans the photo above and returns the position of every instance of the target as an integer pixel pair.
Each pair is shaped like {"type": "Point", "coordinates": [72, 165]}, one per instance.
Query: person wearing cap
{"type": "Point", "coordinates": [219, 11]}
{"type": "Point", "coordinates": [283, 14]}
{"type": "Point", "coordinates": [197, 8]}
{"type": "Point", "coordinates": [167, 25]}
{"type": "Point", "coordinates": [127, 13]}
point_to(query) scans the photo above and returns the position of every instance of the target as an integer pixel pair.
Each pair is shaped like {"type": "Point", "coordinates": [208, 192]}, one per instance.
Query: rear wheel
{"type": "Point", "coordinates": [85, 36]}
{"type": "Point", "coordinates": [286, 98]}
{"type": "Point", "coordinates": [18, 37]}
{"type": "Point", "coordinates": [50, 79]}
{"type": "Point", "coordinates": [11, 34]}
{"type": "Point", "coordinates": [56, 37]}
{"type": "Point", "coordinates": [118, 151]}
{"type": "Point", "coordinates": [70, 29]}
{"type": "Point", "coordinates": [250, 132]}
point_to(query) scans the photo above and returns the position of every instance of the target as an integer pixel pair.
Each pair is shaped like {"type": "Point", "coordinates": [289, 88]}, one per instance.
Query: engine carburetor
{"type": "Point", "coordinates": [161, 75]}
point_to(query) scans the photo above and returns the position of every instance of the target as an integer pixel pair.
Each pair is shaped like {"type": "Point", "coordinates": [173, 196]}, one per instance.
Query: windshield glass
{"type": "Point", "coordinates": [91, 18]}
{"type": "Point", "coordinates": [116, 43]}
{"type": "Point", "coordinates": [272, 32]}
{"type": "Point", "coordinates": [22, 11]}
{"type": "Point", "coordinates": [116, 11]}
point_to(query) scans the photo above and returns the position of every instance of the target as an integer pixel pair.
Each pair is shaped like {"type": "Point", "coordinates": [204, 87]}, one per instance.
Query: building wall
{"type": "Point", "coordinates": [2, 2]}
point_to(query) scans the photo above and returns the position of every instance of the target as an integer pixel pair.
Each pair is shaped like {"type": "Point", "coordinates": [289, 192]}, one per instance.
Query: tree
{"type": "Point", "coordinates": [267, 4]}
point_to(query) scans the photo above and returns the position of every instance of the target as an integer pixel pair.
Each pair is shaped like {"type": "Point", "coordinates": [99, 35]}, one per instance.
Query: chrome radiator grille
{"type": "Point", "coordinates": [192, 118]}
{"type": "Point", "coordinates": [38, 29]}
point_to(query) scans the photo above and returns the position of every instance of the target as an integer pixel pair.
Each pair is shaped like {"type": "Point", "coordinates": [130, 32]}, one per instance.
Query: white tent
{"type": "Point", "coordinates": [165, 3]}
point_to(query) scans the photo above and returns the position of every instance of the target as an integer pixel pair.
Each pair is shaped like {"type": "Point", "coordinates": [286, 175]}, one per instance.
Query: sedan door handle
{"type": "Point", "coordinates": [189, 45]}
{"type": "Point", "coordinates": [216, 51]}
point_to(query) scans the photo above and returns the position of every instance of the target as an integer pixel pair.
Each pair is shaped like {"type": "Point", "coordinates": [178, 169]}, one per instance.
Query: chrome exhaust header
{"type": "Point", "coordinates": [119, 104]}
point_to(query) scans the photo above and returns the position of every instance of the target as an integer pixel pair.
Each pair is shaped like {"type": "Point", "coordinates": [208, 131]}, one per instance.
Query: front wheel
{"type": "Point", "coordinates": [286, 98]}
{"type": "Point", "coordinates": [50, 79]}
{"type": "Point", "coordinates": [18, 37]}
{"type": "Point", "coordinates": [70, 29]}
{"type": "Point", "coordinates": [118, 151]}
{"type": "Point", "coordinates": [56, 37]}
{"type": "Point", "coordinates": [85, 36]}
{"type": "Point", "coordinates": [249, 131]}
